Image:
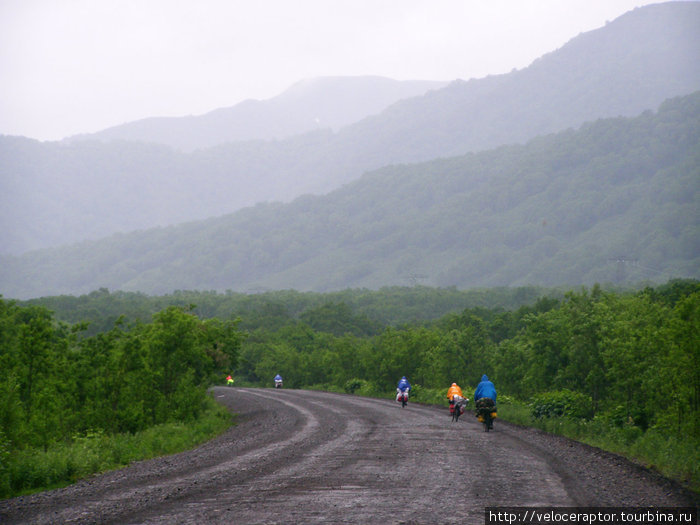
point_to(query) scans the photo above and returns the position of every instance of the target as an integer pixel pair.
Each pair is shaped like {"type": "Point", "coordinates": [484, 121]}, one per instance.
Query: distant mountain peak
{"type": "Point", "coordinates": [54, 194]}
{"type": "Point", "coordinates": [332, 101]}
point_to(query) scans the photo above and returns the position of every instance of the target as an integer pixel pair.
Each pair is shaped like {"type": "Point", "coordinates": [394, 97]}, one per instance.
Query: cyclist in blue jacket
{"type": "Point", "coordinates": [485, 389]}
{"type": "Point", "coordinates": [404, 387]}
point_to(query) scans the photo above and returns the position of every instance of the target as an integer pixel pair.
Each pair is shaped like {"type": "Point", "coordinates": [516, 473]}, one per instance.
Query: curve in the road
{"type": "Point", "coordinates": [314, 457]}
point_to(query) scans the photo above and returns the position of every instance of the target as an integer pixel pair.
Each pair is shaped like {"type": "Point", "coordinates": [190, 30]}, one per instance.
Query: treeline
{"type": "Point", "coordinates": [269, 310]}
{"type": "Point", "coordinates": [630, 353]}
{"type": "Point", "coordinates": [57, 384]}
{"type": "Point", "coordinates": [610, 359]}
{"type": "Point", "coordinates": [633, 357]}
{"type": "Point", "coordinates": [617, 370]}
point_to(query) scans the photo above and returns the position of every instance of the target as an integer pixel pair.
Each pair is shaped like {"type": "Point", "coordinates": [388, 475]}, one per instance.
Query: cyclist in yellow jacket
{"type": "Point", "coordinates": [453, 391]}
{"type": "Point", "coordinates": [456, 398]}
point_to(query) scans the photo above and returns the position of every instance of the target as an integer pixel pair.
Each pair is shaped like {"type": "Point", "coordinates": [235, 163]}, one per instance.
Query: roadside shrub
{"type": "Point", "coordinates": [418, 392]}
{"type": "Point", "coordinates": [674, 456]}
{"type": "Point", "coordinates": [361, 387]}
{"type": "Point", "coordinates": [621, 417]}
{"type": "Point", "coordinates": [352, 386]}
{"type": "Point", "coordinates": [514, 411]}
{"type": "Point", "coordinates": [430, 396]}
{"type": "Point", "coordinates": [561, 403]}
{"type": "Point", "coordinates": [4, 467]}
{"type": "Point", "coordinates": [505, 400]}
{"type": "Point", "coordinates": [33, 469]}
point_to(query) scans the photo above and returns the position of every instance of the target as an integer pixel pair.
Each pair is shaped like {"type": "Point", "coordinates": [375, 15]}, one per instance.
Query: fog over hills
{"type": "Point", "coordinates": [311, 104]}
{"type": "Point", "coordinates": [54, 194]}
{"type": "Point", "coordinates": [616, 201]}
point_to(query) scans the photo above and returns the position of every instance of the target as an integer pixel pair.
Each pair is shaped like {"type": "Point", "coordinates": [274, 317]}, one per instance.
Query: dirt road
{"type": "Point", "coordinates": [312, 457]}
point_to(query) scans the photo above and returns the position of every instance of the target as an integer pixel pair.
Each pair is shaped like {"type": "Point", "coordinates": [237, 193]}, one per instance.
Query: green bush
{"type": "Point", "coordinates": [352, 386]}
{"type": "Point", "coordinates": [514, 411]}
{"type": "Point", "coordinates": [4, 464]}
{"type": "Point", "coordinates": [418, 392]}
{"type": "Point", "coordinates": [430, 396]}
{"type": "Point", "coordinates": [369, 389]}
{"type": "Point", "coordinates": [561, 403]}
{"type": "Point", "coordinates": [621, 417]}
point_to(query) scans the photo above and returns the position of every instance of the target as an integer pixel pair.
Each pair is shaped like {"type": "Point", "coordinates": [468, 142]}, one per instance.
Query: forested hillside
{"type": "Point", "coordinates": [614, 201]}
{"type": "Point", "coordinates": [53, 194]}
{"type": "Point", "coordinates": [618, 70]}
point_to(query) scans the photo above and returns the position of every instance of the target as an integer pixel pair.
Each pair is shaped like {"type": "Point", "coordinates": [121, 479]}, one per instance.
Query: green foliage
{"type": "Point", "coordinates": [366, 312]}
{"type": "Point", "coordinates": [354, 385]}
{"type": "Point", "coordinates": [561, 403]}
{"type": "Point", "coordinates": [5, 480]}
{"type": "Point", "coordinates": [620, 365]}
{"type": "Point", "coordinates": [430, 396]}
{"type": "Point", "coordinates": [361, 387]}
{"type": "Point", "coordinates": [94, 451]}
{"type": "Point", "coordinates": [339, 320]}
{"type": "Point", "coordinates": [674, 456]}
{"type": "Point", "coordinates": [60, 388]}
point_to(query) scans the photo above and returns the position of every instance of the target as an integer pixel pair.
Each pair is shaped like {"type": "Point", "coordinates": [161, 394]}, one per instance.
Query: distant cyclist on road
{"type": "Point", "coordinates": [453, 391]}
{"type": "Point", "coordinates": [456, 398]}
{"type": "Point", "coordinates": [403, 387]}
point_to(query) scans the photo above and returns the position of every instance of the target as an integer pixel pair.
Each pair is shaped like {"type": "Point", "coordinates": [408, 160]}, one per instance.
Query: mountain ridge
{"type": "Point", "coordinates": [563, 209]}
{"type": "Point", "coordinates": [53, 193]}
{"type": "Point", "coordinates": [307, 105]}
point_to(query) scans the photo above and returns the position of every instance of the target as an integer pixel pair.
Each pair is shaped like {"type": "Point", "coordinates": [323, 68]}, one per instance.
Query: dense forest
{"type": "Point", "coordinates": [52, 194]}
{"type": "Point", "coordinates": [58, 386]}
{"type": "Point", "coordinates": [389, 306]}
{"type": "Point", "coordinates": [615, 201]}
{"type": "Point", "coordinates": [623, 364]}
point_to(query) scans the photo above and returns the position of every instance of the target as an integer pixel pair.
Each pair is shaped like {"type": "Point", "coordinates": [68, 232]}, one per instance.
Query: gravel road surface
{"type": "Point", "coordinates": [312, 457]}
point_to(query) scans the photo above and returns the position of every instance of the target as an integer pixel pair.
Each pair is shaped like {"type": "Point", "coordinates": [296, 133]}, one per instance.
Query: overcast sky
{"type": "Point", "coordinates": [79, 66]}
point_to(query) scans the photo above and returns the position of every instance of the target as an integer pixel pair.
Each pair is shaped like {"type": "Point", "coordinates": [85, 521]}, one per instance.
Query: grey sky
{"type": "Point", "coordinates": [73, 66]}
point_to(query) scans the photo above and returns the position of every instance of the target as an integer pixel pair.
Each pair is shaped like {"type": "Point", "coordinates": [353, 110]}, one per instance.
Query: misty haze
{"type": "Point", "coordinates": [246, 249]}
{"type": "Point", "coordinates": [241, 168]}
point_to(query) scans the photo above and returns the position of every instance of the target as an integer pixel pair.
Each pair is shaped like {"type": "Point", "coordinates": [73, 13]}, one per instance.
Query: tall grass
{"type": "Point", "coordinates": [33, 470]}
{"type": "Point", "coordinates": [675, 455]}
